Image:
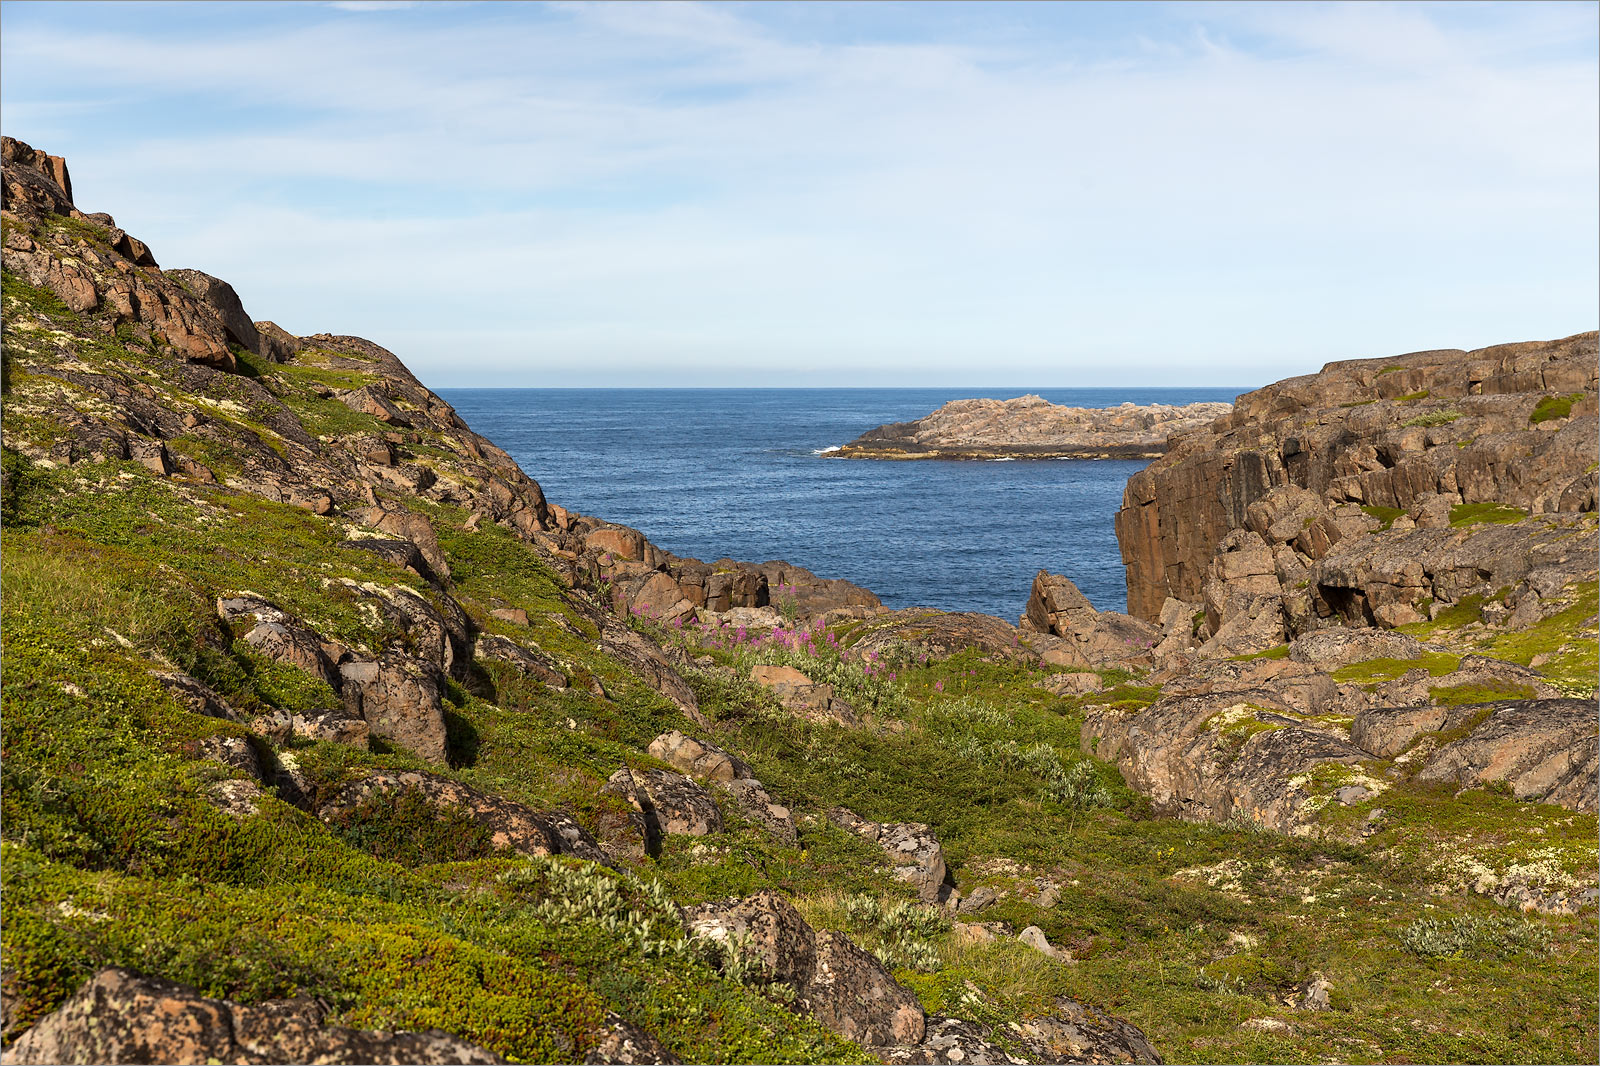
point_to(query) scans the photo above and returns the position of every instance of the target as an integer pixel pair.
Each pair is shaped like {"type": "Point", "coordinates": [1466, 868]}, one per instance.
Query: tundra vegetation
{"type": "Point", "coordinates": [218, 842]}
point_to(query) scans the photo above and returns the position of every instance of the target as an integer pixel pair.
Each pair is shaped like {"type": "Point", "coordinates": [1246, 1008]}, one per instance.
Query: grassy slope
{"type": "Point", "coordinates": [112, 855]}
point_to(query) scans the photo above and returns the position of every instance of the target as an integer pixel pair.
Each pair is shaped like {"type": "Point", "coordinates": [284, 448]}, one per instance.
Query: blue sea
{"type": "Point", "coordinates": [710, 473]}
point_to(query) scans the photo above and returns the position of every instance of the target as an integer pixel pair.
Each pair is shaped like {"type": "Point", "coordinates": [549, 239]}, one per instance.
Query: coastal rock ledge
{"type": "Point", "coordinates": [1030, 427]}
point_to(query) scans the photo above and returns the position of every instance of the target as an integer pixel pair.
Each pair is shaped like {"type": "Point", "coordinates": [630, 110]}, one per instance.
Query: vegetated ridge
{"type": "Point", "coordinates": [1029, 427]}
{"type": "Point", "coordinates": [327, 738]}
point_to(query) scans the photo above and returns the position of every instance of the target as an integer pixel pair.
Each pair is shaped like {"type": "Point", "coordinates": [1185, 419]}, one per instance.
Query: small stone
{"type": "Point", "coordinates": [1034, 937]}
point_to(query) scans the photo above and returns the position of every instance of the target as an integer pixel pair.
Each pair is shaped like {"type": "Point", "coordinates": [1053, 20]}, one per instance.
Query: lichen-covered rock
{"type": "Point", "coordinates": [671, 804]}
{"type": "Point", "coordinates": [1544, 749]}
{"type": "Point", "coordinates": [951, 1042]}
{"type": "Point", "coordinates": [842, 986]}
{"type": "Point", "coordinates": [122, 1017]}
{"type": "Point", "coordinates": [196, 696]}
{"type": "Point", "coordinates": [522, 659]}
{"type": "Point", "coordinates": [912, 848]}
{"type": "Point", "coordinates": [621, 1043]}
{"type": "Point", "coordinates": [400, 699]}
{"type": "Point", "coordinates": [644, 659]}
{"type": "Point", "coordinates": [1220, 756]}
{"type": "Point", "coordinates": [1077, 1032]}
{"type": "Point", "coordinates": [511, 825]}
{"type": "Point", "coordinates": [700, 758]}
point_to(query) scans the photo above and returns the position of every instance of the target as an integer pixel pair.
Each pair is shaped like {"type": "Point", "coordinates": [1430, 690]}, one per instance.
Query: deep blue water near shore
{"type": "Point", "coordinates": [735, 472]}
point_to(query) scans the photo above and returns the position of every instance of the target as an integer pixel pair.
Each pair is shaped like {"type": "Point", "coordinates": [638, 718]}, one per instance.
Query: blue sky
{"type": "Point", "coordinates": [845, 194]}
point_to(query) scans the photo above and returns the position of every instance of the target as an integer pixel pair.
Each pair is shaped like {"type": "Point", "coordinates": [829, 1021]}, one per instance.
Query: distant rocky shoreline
{"type": "Point", "coordinates": [1030, 427]}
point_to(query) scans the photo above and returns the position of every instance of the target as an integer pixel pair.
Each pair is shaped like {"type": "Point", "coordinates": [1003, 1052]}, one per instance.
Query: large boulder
{"type": "Point", "coordinates": [400, 699]}
{"type": "Point", "coordinates": [836, 982]}
{"type": "Point", "coordinates": [512, 826]}
{"type": "Point", "coordinates": [219, 296]}
{"type": "Point", "coordinates": [913, 850]}
{"type": "Point", "coordinates": [1544, 749]}
{"type": "Point", "coordinates": [671, 804]}
{"type": "Point", "coordinates": [1222, 756]}
{"type": "Point", "coordinates": [123, 1017]}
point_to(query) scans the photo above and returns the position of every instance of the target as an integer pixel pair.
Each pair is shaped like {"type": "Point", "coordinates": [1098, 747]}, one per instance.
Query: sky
{"type": "Point", "coordinates": [824, 194]}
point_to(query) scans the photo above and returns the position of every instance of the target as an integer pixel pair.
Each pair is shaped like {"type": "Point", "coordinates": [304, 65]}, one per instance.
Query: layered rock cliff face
{"type": "Point", "coordinates": [1365, 440]}
{"type": "Point", "coordinates": [1030, 427]}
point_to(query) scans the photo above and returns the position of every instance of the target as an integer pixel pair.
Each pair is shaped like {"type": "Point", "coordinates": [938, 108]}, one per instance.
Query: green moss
{"type": "Point", "coordinates": [1436, 663]}
{"type": "Point", "coordinates": [1471, 514]}
{"type": "Point", "coordinates": [1279, 652]}
{"type": "Point", "coordinates": [1412, 397]}
{"type": "Point", "coordinates": [1452, 695]}
{"type": "Point", "coordinates": [1386, 515]}
{"type": "Point", "coordinates": [1436, 418]}
{"type": "Point", "coordinates": [1553, 407]}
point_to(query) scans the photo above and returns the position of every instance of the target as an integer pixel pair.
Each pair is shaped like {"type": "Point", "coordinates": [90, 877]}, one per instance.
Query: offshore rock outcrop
{"type": "Point", "coordinates": [1418, 434]}
{"type": "Point", "coordinates": [1029, 427]}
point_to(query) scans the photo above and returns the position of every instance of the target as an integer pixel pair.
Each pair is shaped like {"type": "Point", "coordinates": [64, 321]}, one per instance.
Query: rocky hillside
{"type": "Point", "coordinates": [1029, 427]}
{"type": "Point", "coordinates": [326, 737]}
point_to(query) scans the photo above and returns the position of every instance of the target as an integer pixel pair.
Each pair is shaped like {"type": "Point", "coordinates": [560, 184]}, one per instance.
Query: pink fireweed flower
{"type": "Point", "coordinates": [938, 686]}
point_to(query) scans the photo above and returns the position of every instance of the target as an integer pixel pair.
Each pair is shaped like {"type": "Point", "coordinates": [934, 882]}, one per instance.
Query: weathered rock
{"type": "Point", "coordinates": [1220, 756]}
{"type": "Point", "coordinates": [913, 851]}
{"type": "Point", "coordinates": [338, 724]}
{"type": "Point", "coordinates": [238, 798]}
{"type": "Point", "coordinates": [644, 659]}
{"type": "Point", "coordinates": [1077, 1032]}
{"type": "Point", "coordinates": [219, 296]}
{"type": "Point", "coordinates": [1545, 749]}
{"type": "Point", "coordinates": [1339, 434]}
{"type": "Point", "coordinates": [1034, 937]}
{"type": "Point", "coordinates": [195, 696]}
{"type": "Point", "coordinates": [698, 757]}
{"type": "Point", "coordinates": [400, 700]}
{"type": "Point", "coordinates": [760, 808]}
{"type": "Point", "coordinates": [842, 986]}
{"type": "Point", "coordinates": [671, 804]}
{"type": "Point", "coordinates": [512, 826]}
{"type": "Point", "coordinates": [704, 759]}
{"type": "Point", "coordinates": [621, 1043]}
{"type": "Point", "coordinates": [121, 1017]}
{"type": "Point", "coordinates": [800, 694]}
{"type": "Point", "coordinates": [938, 634]}
{"type": "Point", "coordinates": [1072, 684]}
{"type": "Point", "coordinates": [236, 753]}
{"type": "Point", "coordinates": [524, 660]}
{"type": "Point", "coordinates": [952, 1041]}
{"type": "Point", "coordinates": [294, 646]}
{"type": "Point", "coordinates": [1032, 428]}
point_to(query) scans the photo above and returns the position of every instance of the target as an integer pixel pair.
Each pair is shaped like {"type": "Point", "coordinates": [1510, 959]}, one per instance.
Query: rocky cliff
{"type": "Point", "coordinates": [327, 737]}
{"type": "Point", "coordinates": [1029, 427]}
{"type": "Point", "coordinates": [1511, 426]}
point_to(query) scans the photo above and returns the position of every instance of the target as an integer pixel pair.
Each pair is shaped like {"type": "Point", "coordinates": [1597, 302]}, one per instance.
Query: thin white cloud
{"type": "Point", "coordinates": [615, 185]}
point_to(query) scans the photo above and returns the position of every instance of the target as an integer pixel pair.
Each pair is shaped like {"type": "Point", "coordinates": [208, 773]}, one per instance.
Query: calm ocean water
{"type": "Point", "coordinates": [736, 472]}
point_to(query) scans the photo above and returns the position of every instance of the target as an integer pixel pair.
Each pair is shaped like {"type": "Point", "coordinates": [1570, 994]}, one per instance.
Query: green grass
{"type": "Point", "coordinates": [1374, 670]}
{"type": "Point", "coordinates": [1412, 397]}
{"type": "Point", "coordinates": [1386, 515]}
{"type": "Point", "coordinates": [1436, 418]}
{"type": "Point", "coordinates": [1463, 515]}
{"type": "Point", "coordinates": [1553, 407]}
